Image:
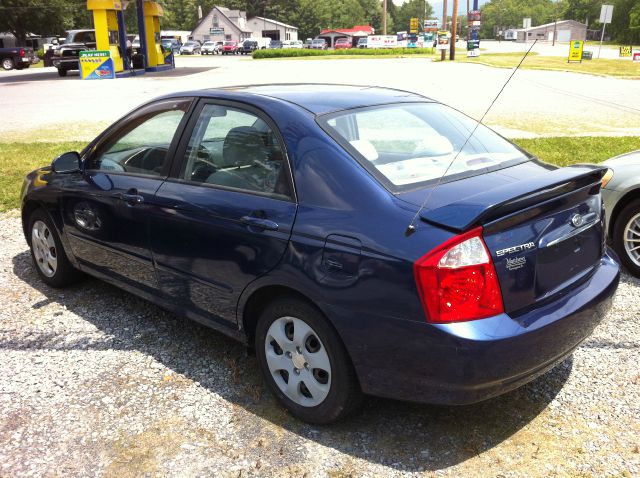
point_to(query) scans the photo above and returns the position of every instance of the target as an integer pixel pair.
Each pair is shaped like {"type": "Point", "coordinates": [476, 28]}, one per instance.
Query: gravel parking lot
{"type": "Point", "coordinates": [98, 382]}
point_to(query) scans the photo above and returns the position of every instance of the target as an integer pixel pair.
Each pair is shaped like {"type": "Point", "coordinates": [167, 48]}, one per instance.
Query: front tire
{"type": "Point", "coordinates": [62, 73]}
{"type": "Point", "coordinates": [626, 236]}
{"type": "Point", "coordinates": [47, 252]}
{"type": "Point", "coordinates": [304, 362]}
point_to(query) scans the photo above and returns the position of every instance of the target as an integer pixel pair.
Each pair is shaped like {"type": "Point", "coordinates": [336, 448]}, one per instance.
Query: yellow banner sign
{"type": "Point", "coordinates": [575, 50]}
{"type": "Point", "coordinates": [625, 51]}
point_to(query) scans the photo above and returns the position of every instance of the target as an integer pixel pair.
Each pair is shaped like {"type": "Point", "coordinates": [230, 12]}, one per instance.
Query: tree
{"type": "Point", "coordinates": [179, 14]}
{"type": "Point", "coordinates": [584, 11]}
{"type": "Point", "coordinates": [412, 9]}
{"type": "Point", "coordinates": [21, 17]}
{"type": "Point", "coordinates": [503, 14]}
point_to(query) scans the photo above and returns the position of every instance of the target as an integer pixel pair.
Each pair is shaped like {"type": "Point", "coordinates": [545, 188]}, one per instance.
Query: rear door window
{"type": "Point", "coordinates": [234, 148]}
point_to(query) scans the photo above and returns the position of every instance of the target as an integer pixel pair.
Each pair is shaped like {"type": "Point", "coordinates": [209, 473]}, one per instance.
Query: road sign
{"type": "Point", "coordinates": [575, 51]}
{"type": "Point", "coordinates": [413, 25]}
{"type": "Point", "coordinates": [96, 65]}
{"type": "Point", "coordinates": [606, 12]}
{"type": "Point", "coordinates": [526, 23]}
{"type": "Point", "coordinates": [625, 51]}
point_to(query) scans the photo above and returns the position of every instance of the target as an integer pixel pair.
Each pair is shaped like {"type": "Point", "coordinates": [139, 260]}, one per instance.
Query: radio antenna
{"type": "Point", "coordinates": [411, 228]}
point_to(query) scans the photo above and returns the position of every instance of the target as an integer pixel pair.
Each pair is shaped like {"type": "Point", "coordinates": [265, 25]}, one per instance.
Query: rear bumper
{"type": "Point", "coordinates": [472, 361]}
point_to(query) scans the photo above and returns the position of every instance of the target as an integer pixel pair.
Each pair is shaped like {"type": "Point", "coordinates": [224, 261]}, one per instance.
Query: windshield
{"type": "Point", "coordinates": [410, 143]}
{"type": "Point", "coordinates": [229, 43]}
{"type": "Point", "coordinates": [190, 43]}
{"type": "Point", "coordinates": [208, 43]}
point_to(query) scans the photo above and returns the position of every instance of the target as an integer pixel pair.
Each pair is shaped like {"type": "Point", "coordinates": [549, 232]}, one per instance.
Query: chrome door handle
{"type": "Point", "coordinates": [131, 199]}
{"type": "Point", "coordinates": [259, 223]}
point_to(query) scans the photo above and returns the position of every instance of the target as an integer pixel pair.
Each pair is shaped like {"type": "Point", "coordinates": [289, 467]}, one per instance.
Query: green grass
{"type": "Point", "coordinates": [18, 158]}
{"type": "Point", "coordinates": [622, 68]}
{"type": "Point", "coordinates": [351, 52]}
{"type": "Point", "coordinates": [564, 151]}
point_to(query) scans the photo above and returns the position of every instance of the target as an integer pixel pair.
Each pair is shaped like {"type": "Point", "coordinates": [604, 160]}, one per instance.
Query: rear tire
{"type": "Point", "coordinates": [8, 63]}
{"type": "Point", "coordinates": [626, 236]}
{"type": "Point", "coordinates": [49, 258]}
{"type": "Point", "coordinates": [62, 73]}
{"type": "Point", "coordinates": [295, 342]}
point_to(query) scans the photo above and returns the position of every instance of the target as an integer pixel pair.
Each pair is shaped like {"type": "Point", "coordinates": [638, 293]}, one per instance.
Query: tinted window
{"type": "Point", "coordinates": [233, 148]}
{"type": "Point", "coordinates": [142, 146]}
{"type": "Point", "coordinates": [412, 143]}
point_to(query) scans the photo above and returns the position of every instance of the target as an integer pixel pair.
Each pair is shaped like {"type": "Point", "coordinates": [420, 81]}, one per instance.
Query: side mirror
{"type": "Point", "coordinates": [67, 163]}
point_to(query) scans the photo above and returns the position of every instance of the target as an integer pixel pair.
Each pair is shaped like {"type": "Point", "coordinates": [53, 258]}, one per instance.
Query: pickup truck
{"type": "Point", "coordinates": [18, 57]}
{"type": "Point", "coordinates": [66, 56]}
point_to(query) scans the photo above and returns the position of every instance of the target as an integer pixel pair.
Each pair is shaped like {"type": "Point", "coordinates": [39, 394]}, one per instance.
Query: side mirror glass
{"type": "Point", "coordinates": [67, 163]}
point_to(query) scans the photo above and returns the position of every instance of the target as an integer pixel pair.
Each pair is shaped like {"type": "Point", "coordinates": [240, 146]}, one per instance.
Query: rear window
{"type": "Point", "coordinates": [411, 143]}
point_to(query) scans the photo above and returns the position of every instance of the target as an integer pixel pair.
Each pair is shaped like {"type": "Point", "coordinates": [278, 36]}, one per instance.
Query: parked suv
{"type": "Point", "coordinates": [65, 56]}
{"type": "Point", "coordinates": [210, 48]}
{"type": "Point", "coordinates": [248, 47]}
{"type": "Point", "coordinates": [319, 44]}
{"type": "Point", "coordinates": [192, 47]}
{"type": "Point", "coordinates": [230, 48]}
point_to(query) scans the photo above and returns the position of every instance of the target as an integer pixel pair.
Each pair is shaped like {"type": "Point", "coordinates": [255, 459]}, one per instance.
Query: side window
{"type": "Point", "coordinates": [142, 146]}
{"type": "Point", "coordinates": [233, 148]}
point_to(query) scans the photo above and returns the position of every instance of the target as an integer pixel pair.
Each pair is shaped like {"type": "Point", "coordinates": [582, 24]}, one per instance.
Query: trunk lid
{"type": "Point", "coordinates": [545, 233]}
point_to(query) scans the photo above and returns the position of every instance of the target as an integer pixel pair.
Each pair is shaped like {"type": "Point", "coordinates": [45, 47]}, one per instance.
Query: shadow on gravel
{"type": "Point", "coordinates": [404, 436]}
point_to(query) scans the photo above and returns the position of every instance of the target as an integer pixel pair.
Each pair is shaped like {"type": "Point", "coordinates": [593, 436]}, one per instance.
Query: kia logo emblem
{"type": "Point", "coordinates": [577, 220]}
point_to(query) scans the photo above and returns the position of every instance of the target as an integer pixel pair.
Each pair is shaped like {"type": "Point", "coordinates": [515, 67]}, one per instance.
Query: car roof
{"type": "Point", "coordinates": [318, 98]}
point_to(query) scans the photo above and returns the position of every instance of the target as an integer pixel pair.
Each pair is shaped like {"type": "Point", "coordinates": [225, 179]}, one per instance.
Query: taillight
{"type": "Point", "coordinates": [457, 280]}
{"type": "Point", "coordinates": [21, 52]}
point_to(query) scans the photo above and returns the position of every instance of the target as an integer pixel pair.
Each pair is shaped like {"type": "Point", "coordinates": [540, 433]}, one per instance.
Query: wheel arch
{"type": "Point", "coordinates": [260, 297]}
{"type": "Point", "coordinates": [29, 206]}
{"type": "Point", "coordinates": [628, 197]}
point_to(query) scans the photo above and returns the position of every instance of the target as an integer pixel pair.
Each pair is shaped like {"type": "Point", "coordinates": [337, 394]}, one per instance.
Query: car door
{"type": "Point", "coordinates": [106, 209]}
{"type": "Point", "coordinates": [225, 216]}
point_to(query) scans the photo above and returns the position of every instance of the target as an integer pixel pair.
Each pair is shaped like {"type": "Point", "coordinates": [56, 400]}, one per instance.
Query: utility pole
{"type": "Point", "coordinates": [384, 17]}
{"type": "Point", "coordinates": [443, 53]}
{"type": "Point", "coordinates": [454, 31]}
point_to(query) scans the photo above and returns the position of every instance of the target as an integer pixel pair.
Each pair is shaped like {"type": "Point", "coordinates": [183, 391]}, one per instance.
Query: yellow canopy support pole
{"type": "Point", "coordinates": [105, 21]}
{"type": "Point", "coordinates": [152, 13]}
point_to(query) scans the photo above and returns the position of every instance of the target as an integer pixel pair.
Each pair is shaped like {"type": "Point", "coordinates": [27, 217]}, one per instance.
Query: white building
{"type": "Point", "coordinates": [265, 27]}
{"type": "Point", "coordinates": [222, 24]}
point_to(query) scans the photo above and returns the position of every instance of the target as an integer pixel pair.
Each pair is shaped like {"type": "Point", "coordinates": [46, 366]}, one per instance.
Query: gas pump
{"type": "Point", "coordinates": [105, 21]}
{"type": "Point", "coordinates": [152, 13]}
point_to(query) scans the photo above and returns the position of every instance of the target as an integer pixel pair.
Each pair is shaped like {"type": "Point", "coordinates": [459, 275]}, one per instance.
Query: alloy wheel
{"type": "Point", "coordinates": [44, 248]}
{"type": "Point", "coordinates": [298, 361]}
{"type": "Point", "coordinates": [631, 238]}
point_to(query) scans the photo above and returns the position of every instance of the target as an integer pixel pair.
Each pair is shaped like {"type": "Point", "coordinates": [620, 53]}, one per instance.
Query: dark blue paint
{"type": "Point", "coordinates": [342, 244]}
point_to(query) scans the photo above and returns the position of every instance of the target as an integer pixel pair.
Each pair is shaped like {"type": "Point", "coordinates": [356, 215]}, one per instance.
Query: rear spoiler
{"type": "Point", "coordinates": [501, 201]}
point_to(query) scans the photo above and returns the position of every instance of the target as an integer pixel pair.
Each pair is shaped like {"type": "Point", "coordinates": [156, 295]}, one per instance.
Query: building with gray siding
{"type": "Point", "coordinates": [222, 24]}
{"type": "Point", "coordinates": [566, 30]}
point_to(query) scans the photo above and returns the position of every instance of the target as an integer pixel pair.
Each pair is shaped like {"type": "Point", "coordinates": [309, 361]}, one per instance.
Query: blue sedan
{"type": "Point", "coordinates": [362, 240]}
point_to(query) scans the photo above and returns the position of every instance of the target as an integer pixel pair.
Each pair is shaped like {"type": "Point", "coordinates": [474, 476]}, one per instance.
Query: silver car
{"type": "Point", "coordinates": [621, 193]}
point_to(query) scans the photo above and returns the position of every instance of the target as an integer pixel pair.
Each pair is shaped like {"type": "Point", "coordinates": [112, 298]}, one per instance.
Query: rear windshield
{"type": "Point", "coordinates": [406, 144]}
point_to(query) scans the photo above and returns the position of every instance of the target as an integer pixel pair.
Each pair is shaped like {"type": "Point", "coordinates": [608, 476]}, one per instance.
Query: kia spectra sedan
{"type": "Point", "coordinates": [362, 240]}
